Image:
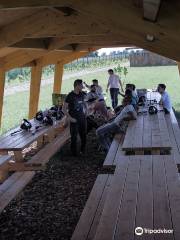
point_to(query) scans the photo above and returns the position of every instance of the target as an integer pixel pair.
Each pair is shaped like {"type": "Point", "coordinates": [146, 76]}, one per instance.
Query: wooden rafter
{"type": "Point", "coordinates": [151, 9]}
{"type": "Point", "coordinates": [19, 58]}
{"type": "Point", "coordinates": [49, 23]}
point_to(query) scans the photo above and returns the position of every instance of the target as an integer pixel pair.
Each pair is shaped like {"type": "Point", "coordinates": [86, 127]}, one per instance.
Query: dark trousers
{"type": "Point", "coordinates": [78, 128]}
{"type": "Point", "coordinates": [114, 96]}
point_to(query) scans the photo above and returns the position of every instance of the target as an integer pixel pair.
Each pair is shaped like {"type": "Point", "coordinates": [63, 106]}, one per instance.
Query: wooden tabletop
{"type": "Point", "coordinates": [21, 140]}
{"type": "Point", "coordinates": [144, 192]}
{"type": "Point", "coordinates": [148, 132]}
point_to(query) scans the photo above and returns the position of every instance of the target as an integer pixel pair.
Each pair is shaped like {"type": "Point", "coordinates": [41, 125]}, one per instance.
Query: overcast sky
{"type": "Point", "coordinates": [108, 50]}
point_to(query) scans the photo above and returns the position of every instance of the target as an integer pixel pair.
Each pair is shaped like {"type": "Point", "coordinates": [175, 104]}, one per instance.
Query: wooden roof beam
{"type": "Point", "coordinates": [151, 9]}
{"type": "Point", "coordinates": [32, 43]}
{"type": "Point", "coordinates": [9, 4]}
{"type": "Point", "coordinates": [49, 22]}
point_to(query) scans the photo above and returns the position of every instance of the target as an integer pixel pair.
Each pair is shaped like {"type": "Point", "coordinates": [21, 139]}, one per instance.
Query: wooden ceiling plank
{"type": "Point", "coordinates": [151, 9]}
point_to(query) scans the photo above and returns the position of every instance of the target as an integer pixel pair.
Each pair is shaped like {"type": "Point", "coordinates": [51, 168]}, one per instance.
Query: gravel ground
{"type": "Point", "coordinates": [50, 206]}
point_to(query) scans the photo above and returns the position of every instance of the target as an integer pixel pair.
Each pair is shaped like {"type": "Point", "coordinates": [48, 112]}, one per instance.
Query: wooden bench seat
{"type": "Point", "coordinates": [174, 135]}
{"type": "Point", "coordinates": [143, 192]}
{"type": "Point", "coordinates": [12, 186]}
{"type": "Point", "coordinates": [116, 148]}
{"type": "Point", "coordinates": [43, 156]}
{"type": "Point", "coordinates": [89, 220]}
{"type": "Point", "coordinates": [4, 160]}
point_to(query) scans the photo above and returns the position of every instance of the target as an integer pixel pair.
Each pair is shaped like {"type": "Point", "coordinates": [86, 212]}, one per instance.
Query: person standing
{"type": "Point", "coordinates": [114, 83]}
{"type": "Point", "coordinates": [75, 109]}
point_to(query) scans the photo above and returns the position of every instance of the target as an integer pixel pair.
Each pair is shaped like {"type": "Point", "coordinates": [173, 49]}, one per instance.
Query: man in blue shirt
{"type": "Point", "coordinates": [165, 99]}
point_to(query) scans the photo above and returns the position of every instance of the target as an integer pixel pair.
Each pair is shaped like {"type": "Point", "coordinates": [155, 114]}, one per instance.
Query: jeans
{"type": "Point", "coordinates": [80, 127]}
{"type": "Point", "coordinates": [105, 133]}
{"type": "Point", "coordinates": [114, 96]}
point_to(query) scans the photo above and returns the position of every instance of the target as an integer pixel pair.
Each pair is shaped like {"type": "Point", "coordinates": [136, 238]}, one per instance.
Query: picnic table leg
{"type": "Point", "coordinates": [40, 141]}
{"type": "Point", "coordinates": [18, 156]}
{"type": "Point", "coordinates": [3, 175]}
{"type": "Point", "coordinates": [3, 152]}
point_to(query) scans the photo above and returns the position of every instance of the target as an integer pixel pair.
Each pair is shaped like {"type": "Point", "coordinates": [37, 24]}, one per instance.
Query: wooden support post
{"type": "Point", "coordinates": [59, 68]}
{"type": "Point", "coordinates": [178, 63]}
{"type": "Point", "coordinates": [2, 84]}
{"type": "Point", "coordinates": [36, 72]}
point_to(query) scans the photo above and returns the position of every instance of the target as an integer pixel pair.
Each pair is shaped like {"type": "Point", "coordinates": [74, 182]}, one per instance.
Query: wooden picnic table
{"type": "Point", "coordinates": [21, 140]}
{"type": "Point", "coordinates": [148, 132]}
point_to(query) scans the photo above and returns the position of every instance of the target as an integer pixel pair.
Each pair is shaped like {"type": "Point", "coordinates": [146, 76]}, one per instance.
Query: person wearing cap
{"type": "Point", "coordinates": [75, 109]}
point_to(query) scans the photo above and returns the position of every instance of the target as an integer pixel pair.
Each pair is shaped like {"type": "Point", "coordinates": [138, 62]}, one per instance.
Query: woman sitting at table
{"type": "Point", "coordinates": [117, 125]}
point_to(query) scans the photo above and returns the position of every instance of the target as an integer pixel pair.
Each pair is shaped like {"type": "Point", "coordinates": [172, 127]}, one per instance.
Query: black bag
{"type": "Point", "coordinates": [91, 123]}
{"type": "Point", "coordinates": [152, 110]}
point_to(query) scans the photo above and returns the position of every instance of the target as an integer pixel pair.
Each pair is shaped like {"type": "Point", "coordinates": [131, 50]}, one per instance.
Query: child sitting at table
{"type": "Point", "coordinates": [106, 131]}
{"type": "Point", "coordinates": [165, 99]}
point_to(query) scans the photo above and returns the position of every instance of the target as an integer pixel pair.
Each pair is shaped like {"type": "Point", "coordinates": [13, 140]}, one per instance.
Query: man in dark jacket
{"type": "Point", "coordinates": [75, 110]}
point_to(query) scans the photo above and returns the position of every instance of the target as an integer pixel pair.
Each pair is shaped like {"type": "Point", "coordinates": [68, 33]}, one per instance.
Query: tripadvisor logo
{"type": "Point", "coordinates": [140, 231]}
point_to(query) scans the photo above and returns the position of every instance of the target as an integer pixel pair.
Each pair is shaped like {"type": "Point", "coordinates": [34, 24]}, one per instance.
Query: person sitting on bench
{"type": "Point", "coordinates": [96, 103]}
{"type": "Point", "coordinates": [98, 88]}
{"type": "Point", "coordinates": [129, 92]}
{"type": "Point", "coordinates": [165, 99]}
{"type": "Point", "coordinates": [105, 132]}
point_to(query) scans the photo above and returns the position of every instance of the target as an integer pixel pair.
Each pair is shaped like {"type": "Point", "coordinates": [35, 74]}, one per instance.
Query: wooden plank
{"type": "Point", "coordinates": [175, 151]}
{"type": "Point", "coordinates": [138, 133]}
{"type": "Point", "coordinates": [162, 212]}
{"type": "Point", "coordinates": [10, 181]}
{"type": "Point", "coordinates": [109, 215]}
{"type": "Point", "coordinates": [97, 217]}
{"type": "Point", "coordinates": [87, 217]}
{"type": "Point", "coordinates": [144, 211]}
{"type": "Point", "coordinates": [50, 149]}
{"type": "Point", "coordinates": [36, 73]}
{"type": "Point", "coordinates": [173, 186]}
{"type": "Point", "coordinates": [128, 140]}
{"type": "Point", "coordinates": [109, 160]}
{"type": "Point", "coordinates": [2, 85]}
{"type": "Point", "coordinates": [15, 188]}
{"type": "Point", "coordinates": [4, 160]}
{"type": "Point", "coordinates": [151, 9]}
{"type": "Point", "coordinates": [59, 69]}
{"type": "Point", "coordinates": [127, 210]}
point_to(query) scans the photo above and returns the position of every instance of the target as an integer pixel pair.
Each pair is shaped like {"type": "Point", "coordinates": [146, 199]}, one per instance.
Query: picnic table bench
{"type": "Point", "coordinates": [21, 140]}
{"type": "Point", "coordinates": [15, 170]}
{"type": "Point", "coordinates": [143, 192]}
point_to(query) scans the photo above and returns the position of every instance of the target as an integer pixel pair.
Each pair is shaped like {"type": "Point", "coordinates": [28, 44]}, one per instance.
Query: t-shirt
{"type": "Point", "coordinates": [166, 102]}
{"type": "Point", "coordinates": [124, 113]}
{"type": "Point", "coordinates": [113, 81]}
{"type": "Point", "coordinates": [76, 104]}
{"type": "Point", "coordinates": [99, 92]}
{"type": "Point", "coordinates": [91, 95]}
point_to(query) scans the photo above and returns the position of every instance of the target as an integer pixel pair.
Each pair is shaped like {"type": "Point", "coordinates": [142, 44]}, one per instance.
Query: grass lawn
{"type": "Point", "coordinates": [16, 106]}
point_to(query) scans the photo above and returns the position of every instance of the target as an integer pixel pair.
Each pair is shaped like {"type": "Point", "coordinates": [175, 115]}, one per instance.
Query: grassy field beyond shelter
{"type": "Point", "coordinates": [16, 106]}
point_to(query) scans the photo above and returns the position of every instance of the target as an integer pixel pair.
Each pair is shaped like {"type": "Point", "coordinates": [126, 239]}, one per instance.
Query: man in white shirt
{"type": "Point", "coordinates": [114, 83]}
{"type": "Point", "coordinates": [165, 99]}
{"type": "Point", "coordinates": [99, 90]}
{"type": "Point", "coordinates": [105, 132]}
